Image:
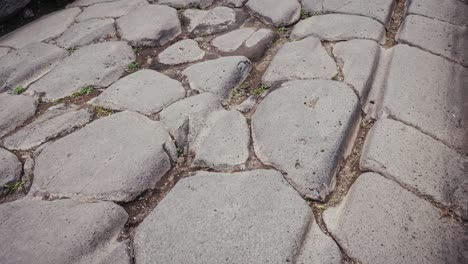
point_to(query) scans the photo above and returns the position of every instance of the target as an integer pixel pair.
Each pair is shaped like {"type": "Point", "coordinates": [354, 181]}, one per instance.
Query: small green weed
{"type": "Point", "coordinates": [238, 92]}
{"type": "Point", "coordinates": [133, 67]}
{"type": "Point", "coordinates": [19, 90]}
{"type": "Point", "coordinates": [322, 206]}
{"type": "Point", "coordinates": [84, 91]}
{"type": "Point", "coordinates": [259, 91]}
{"type": "Point", "coordinates": [336, 77]}
{"type": "Point", "coordinates": [180, 152]}
{"type": "Point", "coordinates": [71, 50]}
{"type": "Point", "coordinates": [101, 111]}
{"type": "Point", "coordinates": [282, 29]}
{"type": "Point", "coordinates": [304, 14]}
{"type": "Point", "coordinates": [15, 186]}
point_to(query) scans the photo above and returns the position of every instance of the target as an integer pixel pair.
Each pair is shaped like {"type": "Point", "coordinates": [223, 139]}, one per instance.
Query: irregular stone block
{"type": "Point", "coordinates": [330, 27]}
{"type": "Point", "coordinates": [452, 11]}
{"type": "Point", "coordinates": [84, 3]}
{"type": "Point", "coordinates": [62, 231]}
{"type": "Point", "coordinates": [10, 168]}
{"type": "Point", "coordinates": [23, 66]}
{"type": "Point", "coordinates": [213, 218]}
{"type": "Point", "coordinates": [56, 121]}
{"type": "Point", "coordinates": [145, 91]}
{"type": "Point", "coordinates": [247, 105]}
{"type": "Point", "coordinates": [207, 22]}
{"type": "Point", "coordinates": [437, 37]}
{"type": "Point", "coordinates": [152, 25]}
{"type": "Point", "coordinates": [319, 248]}
{"type": "Point", "coordinates": [45, 28]}
{"type": "Point", "coordinates": [4, 51]}
{"type": "Point", "coordinates": [112, 9]}
{"type": "Point", "coordinates": [187, 3]}
{"type": "Point", "coordinates": [298, 60]}
{"type": "Point", "coordinates": [380, 222]}
{"type": "Point", "coordinates": [14, 111]}
{"type": "Point", "coordinates": [101, 162]}
{"type": "Point", "coordinates": [301, 129]}
{"type": "Point", "coordinates": [218, 76]}
{"type": "Point", "coordinates": [86, 32]}
{"type": "Point", "coordinates": [276, 12]}
{"type": "Point", "coordinates": [94, 65]}
{"type": "Point", "coordinates": [183, 51]}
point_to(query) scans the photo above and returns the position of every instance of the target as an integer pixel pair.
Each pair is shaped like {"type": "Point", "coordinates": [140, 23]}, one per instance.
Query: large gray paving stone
{"type": "Point", "coordinates": [211, 218]}
{"type": "Point", "coordinates": [440, 38]}
{"type": "Point", "coordinates": [57, 121]}
{"type": "Point", "coordinates": [93, 65]}
{"type": "Point", "coordinates": [145, 91]}
{"type": "Point", "coordinates": [183, 51]}
{"type": "Point", "coordinates": [45, 28]}
{"type": "Point", "coordinates": [218, 76]}
{"type": "Point", "coordinates": [84, 3]}
{"type": "Point", "coordinates": [427, 91]}
{"type": "Point", "coordinates": [276, 12]}
{"type": "Point", "coordinates": [452, 11]}
{"type": "Point", "coordinates": [10, 167]}
{"type": "Point", "coordinates": [112, 9]}
{"type": "Point", "coordinates": [208, 22]}
{"type": "Point", "coordinates": [419, 162]}
{"type": "Point", "coordinates": [301, 129]}
{"type": "Point", "coordinates": [319, 248]}
{"type": "Point", "coordinates": [299, 60]}
{"type": "Point", "coordinates": [380, 222]}
{"type": "Point", "coordinates": [114, 158]}
{"type": "Point", "coordinates": [330, 27]}
{"type": "Point", "coordinates": [23, 66]}
{"type": "Point", "coordinates": [62, 231]}
{"type": "Point", "coordinates": [86, 32]}
{"type": "Point", "coordinates": [14, 111]}
{"type": "Point", "coordinates": [9, 8]}
{"type": "Point", "coordinates": [4, 51]}
{"type": "Point", "coordinates": [187, 3]}
{"type": "Point", "coordinates": [152, 25]}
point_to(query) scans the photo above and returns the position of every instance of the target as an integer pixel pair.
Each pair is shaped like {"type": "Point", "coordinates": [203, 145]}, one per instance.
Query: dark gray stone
{"type": "Point", "coordinates": [11, 7]}
{"type": "Point", "coordinates": [276, 12]}
{"type": "Point", "coordinates": [10, 168]}
{"type": "Point", "coordinates": [86, 32]}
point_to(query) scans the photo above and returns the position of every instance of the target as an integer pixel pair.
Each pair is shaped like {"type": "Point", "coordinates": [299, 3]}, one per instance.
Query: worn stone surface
{"type": "Point", "coordinates": [112, 9]}
{"type": "Point", "coordinates": [452, 11]}
{"type": "Point", "coordinates": [437, 37]}
{"type": "Point", "coordinates": [11, 7]}
{"type": "Point", "coordinates": [212, 21]}
{"type": "Point", "coordinates": [236, 3]}
{"type": "Point", "coordinates": [301, 129]}
{"type": "Point", "coordinates": [277, 12]}
{"type": "Point", "coordinates": [100, 161]}
{"type": "Point", "coordinates": [45, 28]}
{"type": "Point", "coordinates": [24, 66]}
{"type": "Point", "coordinates": [247, 105]}
{"type": "Point", "coordinates": [10, 167]}
{"type": "Point", "coordinates": [218, 76]}
{"type": "Point", "coordinates": [225, 218]}
{"type": "Point", "coordinates": [184, 51]}
{"type": "Point", "coordinates": [298, 60]}
{"type": "Point", "coordinates": [86, 32]}
{"type": "Point", "coordinates": [152, 25]}
{"type": "Point", "coordinates": [145, 91]}
{"type": "Point", "coordinates": [95, 65]}
{"type": "Point", "coordinates": [380, 222]}
{"type": "Point", "coordinates": [83, 3]}
{"type": "Point", "coordinates": [56, 121]}
{"type": "Point", "coordinates": [330, 27]}
{"type": "Point", "coordinates": [232, 41]}
{"type": "Point", "coordinates": [62, 231]}
{"type": "Point", "coordinates": [427, 91]}
{"type": "Point", "coordinates": [319, 248]}
{"type": "Point", "coordinates": [4, 51]}
{"type": "Point", "coordinates": [14, 111]}
{"type": "Point", "coordinates": [187, 3]}
{"type": "Point", "coordinates": [419, 162]}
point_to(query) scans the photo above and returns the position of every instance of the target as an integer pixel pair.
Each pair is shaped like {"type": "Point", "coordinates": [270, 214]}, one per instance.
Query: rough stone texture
{"type": "Point", "coordinates": [10, 167]}
{"type": "Point", "coordinates": [304, 59]}
{"type": "Point", "coordinates": [452, 11]}
{"type": "Point", "coordinates": [62, 231]}
{"type": "Point", "coordinates": [236, 3]}
{"type": "Point", "coordinates": [301, 129]}
{"type": "Point", "coordinates": [225, 218]}
{"type": "Point", "coordinates": [184, 51]}
{"type": "Point", "coordinates": [45, 28]}
{"type": "Point", "coordinates": [14, 111]}
{"type": "Point", "coordinates": [56, 121]}
{"type": "Point", "coordinates": [319, 248]}
{"type": "Point", "coordinates": [86, 32]}
{"type": "Point", "coordinates": [4, 51]}
{"type": "Point", "coordinates": [95, 65]}
{"type": "Point", "coordinates": [216, 20]}
{"type": "Point", "coordinates": [330, 27]}
{"type": "Point", "coordinates": [187, 3]}
{"type": "Point", "coordinates": [152, 25]}
{"type": "Point", "coordinates": [100, 161]}
{"type": "Point", "coordinates": [276, 12]}
{"type": "Point", "coordinates": [437, 37]}
{"type": "Point", "coordinates": [427, 91]}
{"type": "Point", "coordinates": [224, 145]}
{"type": "Point", "coordinates": [218, 76]}
{"type": "Point", "coordinates": [24, 66]}
{"type": "Point", "coordinates": [419, 162]}
{"type": "Point", "coordinates": [233, 40]}
{"type": "Point", "coordinates": [145, 91]}
{"type": "Point", "coordinates": [380, 222]}
{"type": "Point", "coordinates": [83, 3]}
{"type": "Point", "coordinates": [112, 9]}
{"type": "Point", "coordinates": [11, 7]}
{"type": "Point", "coordinates": [247, 105]}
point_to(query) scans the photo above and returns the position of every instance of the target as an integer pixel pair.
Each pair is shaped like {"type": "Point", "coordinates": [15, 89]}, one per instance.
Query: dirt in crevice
{"type": "Point", "coordinates": [395, 23]}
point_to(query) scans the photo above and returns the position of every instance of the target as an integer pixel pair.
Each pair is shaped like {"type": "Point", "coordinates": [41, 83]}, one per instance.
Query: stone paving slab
{"type": "Point", "coordinates": [14, 111]}
{"type": "Point", "coordinates": [301, 129]}
{"type": "Point", "coordinates": [114, 158]}
{"type": "Point", "coordinates": [183, 51]}
{"type": "Point", "coordinates": [86, 32]}
{"type": "Point", "coordinates": [57, 121]}
{"type": "Point", "coordinates": [84, 3]}
{"type": "Point", "coordinates": [145, 91]}
{"type": "Point", "coordinates": [419, 162]}
{"type": "Point", "coordinates": [330, 27]}
{"type": "Point", "coordinates": [440, 38]}
{"type": "Point", "coordinates": [187, 3]}
{"type": "Point", "coordinates": [452, 11]}
{"type": "Point", "coordinates": [10, 168]}
{"type": "Point", "coordinates": [276, 12]}
{"type": "Point", "coordinates": [62, 231]}
{"type": "Point", "coordinates": [380, 222]}
{"type": "Point", "coordinates": [93, 65]}
{"type": "Point", "coordinates": [246, 217]}
{"type": "Point", "coordinates": [112, 9]}
{"type": "Point", "coordinates": [207, 22]}
{"type": "Point", "coordinates": [23, 66]}
{"type": "Point", "coordinates": [4, 51]}
{"type": "Point", "coordinates": [319, 248]}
